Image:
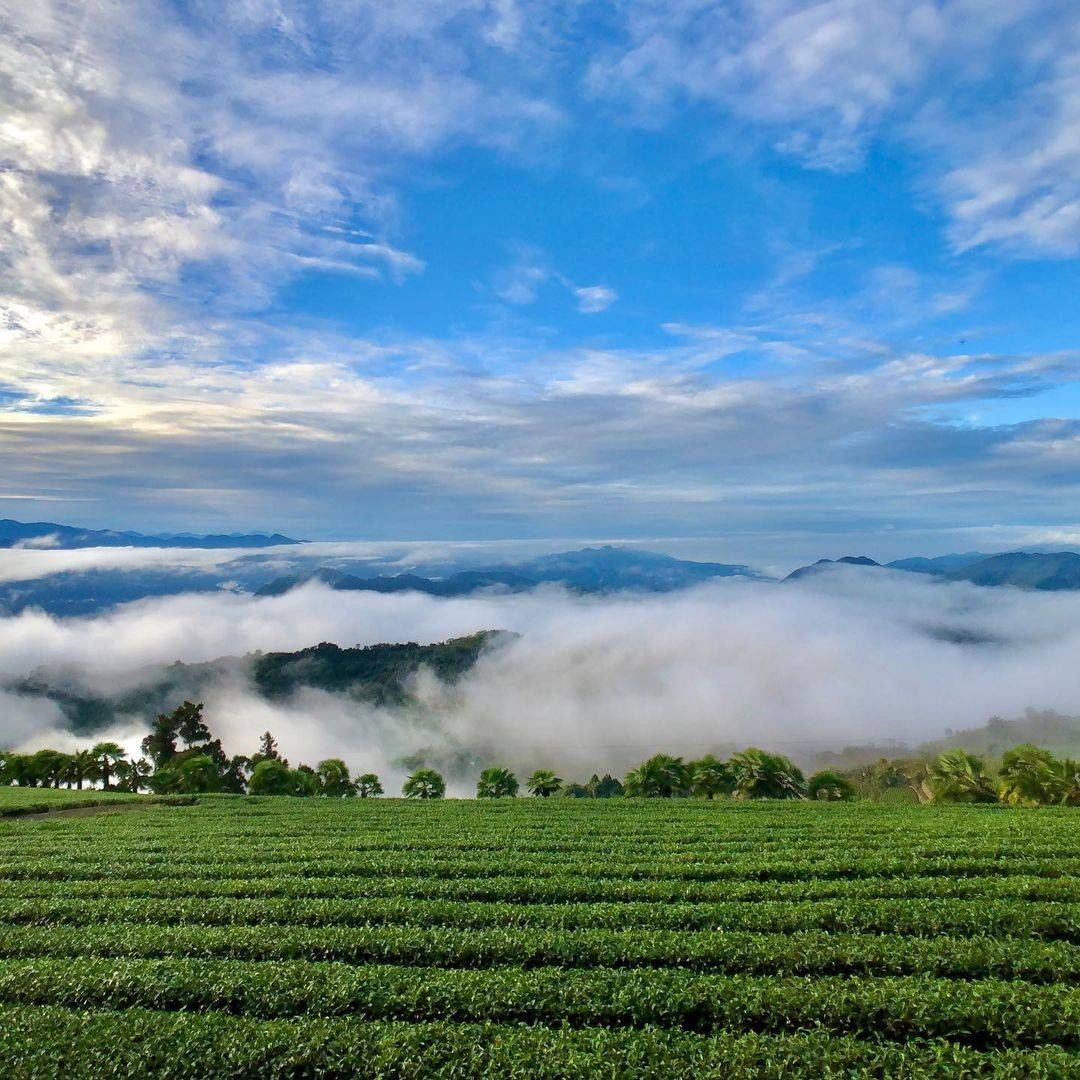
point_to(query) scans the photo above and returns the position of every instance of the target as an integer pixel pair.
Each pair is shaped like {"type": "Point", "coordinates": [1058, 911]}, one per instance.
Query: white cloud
{"type": "Point", "coordinates": [986, 95]}
{"type": "Point", "coordinates": [416, 436]}
{"type": "Point", "coordinates": [597, 684]}
{"type": "Point", "coordinates": [1016, 184]}
{"type": "Point", "coordinates": [595, 298]}
{"type": "Point", "coordinates": [820, 75]}
{"type": "Point", "coordinates": [159, 166]}
{"type": "Point", "coordinates": [520, 283]}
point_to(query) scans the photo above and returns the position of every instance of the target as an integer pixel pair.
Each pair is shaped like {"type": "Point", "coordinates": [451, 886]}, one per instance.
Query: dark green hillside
{"type": "Point", "coordinates": [375, 673]}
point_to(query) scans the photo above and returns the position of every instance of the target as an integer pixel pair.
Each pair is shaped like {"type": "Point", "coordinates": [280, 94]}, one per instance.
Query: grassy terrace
{"type": "Point", "coordinates": [287, 937]}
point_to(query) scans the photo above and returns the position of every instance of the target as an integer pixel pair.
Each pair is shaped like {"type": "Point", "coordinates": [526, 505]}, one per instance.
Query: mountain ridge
{"type": "Point", "coordinates": [1049, 571]}
{"type": "Point", "coordinates": [606, 568]}
{"type": "Point", "coordinates": [49, 535]}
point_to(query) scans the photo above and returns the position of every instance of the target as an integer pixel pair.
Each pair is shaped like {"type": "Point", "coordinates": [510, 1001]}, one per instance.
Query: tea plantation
{"type": "Point", "coordinates": [278, 937]}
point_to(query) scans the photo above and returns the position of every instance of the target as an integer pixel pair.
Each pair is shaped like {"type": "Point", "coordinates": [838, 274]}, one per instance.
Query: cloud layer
{"type": "Point", "coordinates": [170, 172]}
{"type": "Point", "coordinates": [600, 683]}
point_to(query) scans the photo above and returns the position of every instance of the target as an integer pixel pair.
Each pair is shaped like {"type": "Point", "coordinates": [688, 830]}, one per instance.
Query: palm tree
{"type": "Point", "coordinates": [829, 786]}
{"type": "Point", "coordinates": [82, 765]}
{"type": "Point", "coordinates": [957, 776]}
{"type": "Point", "coordinates": [1070, 781]}
{"type": "Point", "coordinates": [424, 784]}
{"type": "Point", "coordinates": [497, 783]}
{"type": "Point", "coordinates": [544, 783]}
{"type": "Point", "coordinates": [1034, 777]}
{"type": "Point", "coordinates": [1029, 777]}
{"type": "Point", "coordinates": [108, 756]}
{"type": "Point", "coordinates": [48, 767]}
{"type": "Point", "coordinates": [334, 777]}
{"type": "Point", "coordinates": [761, 775]}
{"type": "Point", "coordinates": [133, 775]}
{"type": "Point", "coordinates": [711, 777]}
{"type": "Point", "coordinates": [367, 785]}
{"type": "Point", "coordinates": [661, 777]}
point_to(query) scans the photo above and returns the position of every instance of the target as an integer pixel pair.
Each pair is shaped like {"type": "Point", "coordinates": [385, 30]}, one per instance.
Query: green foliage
{"type": "Point", "coordinates": [497, 783]}
{"type": "Point", "coordinates": [604, 787]}
{"type": "Point", "coordinates": [306, 782]}
{"type": "Point", "coordinates": [190, 726]}
{"type": "Point", "coordinates": [184, 722]}
{"type": "Point", "coordinates": [334, 779]}
{"type": "Point", "coordinates": [758, 774]}
{"type": "Point", "coordinates": [133, 776]}
{"type": "Point", "coordinates": [187, 774]}
{"type": "Point", "coordinates": [711, 777]}
{"type": "Point", "coordinates": [662, 776]}
{"type": "Point", "coordinates": [46, 767]}
{"type": "Point", "coordinates": [1034, 777]}
{"type": "Point", "coordinates": [367, 785]}
{"type": "Point", "coordinates": [829, 786]}
{"type": "Point", "coordinates": [271, 777]}
{"type": "Point", "coordinates": [376, 673]}
{"type": "Point", "coordinates": [108, 756]}
{"type": "Point", "coordinates": [424, 784]}
{"type": "Point", "coordinates": [544, 783]}
{"type": "Point", "coordinates": [672, 937]}
{"type": "Point", "coordinates": [598, 787]}
{"type": "Point", "coordinates": [63, 1041]}
{"type": "Point", "coordinates": [80, 767]}
{"type": "Point", "coordinates": [959, 777]}
{"type": "Point", "coordinates": [268, 749]}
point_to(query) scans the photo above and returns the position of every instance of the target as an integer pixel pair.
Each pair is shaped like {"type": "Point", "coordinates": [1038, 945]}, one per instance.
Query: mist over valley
{"type": "Point", "coordinates": [590, 659]}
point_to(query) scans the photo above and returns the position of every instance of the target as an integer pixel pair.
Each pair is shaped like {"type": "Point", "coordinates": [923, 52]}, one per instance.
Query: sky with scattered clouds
{"type": "Point", "coordinates": [752, 270]}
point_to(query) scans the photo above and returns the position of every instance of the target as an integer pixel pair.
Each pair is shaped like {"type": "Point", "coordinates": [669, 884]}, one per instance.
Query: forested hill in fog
{"type": "Point", "coordinates": [375, 674]}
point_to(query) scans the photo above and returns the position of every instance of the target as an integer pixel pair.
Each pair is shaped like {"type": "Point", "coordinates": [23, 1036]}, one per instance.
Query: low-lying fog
{"type": "Point", "coordinates": [597, 683]}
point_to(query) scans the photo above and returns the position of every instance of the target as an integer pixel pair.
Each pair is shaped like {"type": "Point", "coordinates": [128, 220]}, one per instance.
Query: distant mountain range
{"type": "Point", "coordinates": [592, 569]}
{"type": "Point", "coordinates": [598, 569]}
{"type": "Point", "coordinates": [48, 534]}
{"type": "Point", "coordinates": [1047, 571]}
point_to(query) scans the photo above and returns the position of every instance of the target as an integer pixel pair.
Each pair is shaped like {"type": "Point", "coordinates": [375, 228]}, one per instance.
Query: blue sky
{"type": "Point", "coordinates": [788, 278]}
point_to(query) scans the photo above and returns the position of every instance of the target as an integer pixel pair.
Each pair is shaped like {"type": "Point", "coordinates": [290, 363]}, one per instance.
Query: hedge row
{"type": "Point", "coordinates": [134, 1044]}
{"type": "Point", "coordinates": [914, 917]}
{"type": "Point", "coordinates": [800, 953]}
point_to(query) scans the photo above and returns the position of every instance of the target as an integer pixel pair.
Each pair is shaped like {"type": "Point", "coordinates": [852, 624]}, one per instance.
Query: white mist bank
{"type": "Point", "coordinates": [596, 683]}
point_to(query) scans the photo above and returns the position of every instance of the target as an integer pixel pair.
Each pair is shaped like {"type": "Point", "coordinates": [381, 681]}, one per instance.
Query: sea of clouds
{"type": "Point", "coordinates": [593, 683]}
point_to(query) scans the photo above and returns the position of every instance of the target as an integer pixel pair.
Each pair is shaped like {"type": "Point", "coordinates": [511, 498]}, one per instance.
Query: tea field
{"type": "Point", "coordinates": [282, 937]}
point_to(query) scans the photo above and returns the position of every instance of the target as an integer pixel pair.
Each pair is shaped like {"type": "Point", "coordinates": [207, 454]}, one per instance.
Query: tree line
{"type": "Point", "coordinates": [180, 756]}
